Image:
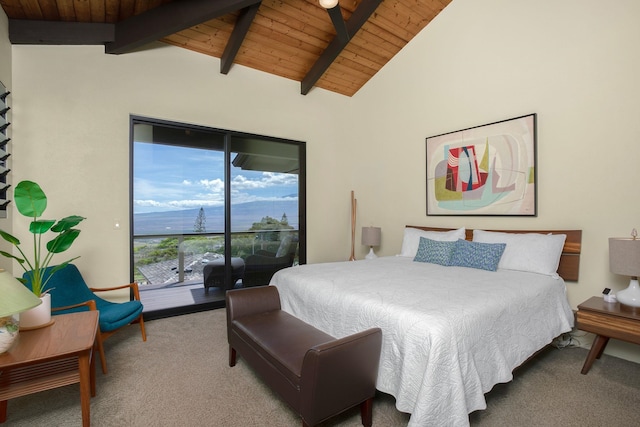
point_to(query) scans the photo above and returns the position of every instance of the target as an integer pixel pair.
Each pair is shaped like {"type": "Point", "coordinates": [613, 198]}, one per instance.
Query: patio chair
{"type": "Point", "coordinates": [260, 267]}
{"type": "Point", "coordinates": [70, 293]}
{"type": "Point", "coordinates": [214, 273]}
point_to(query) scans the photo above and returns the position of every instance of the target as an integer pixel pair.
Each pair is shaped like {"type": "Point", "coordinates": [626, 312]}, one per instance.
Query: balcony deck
{"type": "Point", "coordinates": [175, 286]}
{"type": "Point", "coordinates": [180, 298]}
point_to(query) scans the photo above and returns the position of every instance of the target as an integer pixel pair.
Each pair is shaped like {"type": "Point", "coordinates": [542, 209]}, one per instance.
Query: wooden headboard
{"type": "Point", "coordinates": [569, 268]}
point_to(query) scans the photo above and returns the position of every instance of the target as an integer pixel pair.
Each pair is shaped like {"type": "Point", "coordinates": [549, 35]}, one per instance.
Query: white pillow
{"type": "Point", "coordinates": [531, 252]}
{"type": "Point", "coordinates": [411, 239]}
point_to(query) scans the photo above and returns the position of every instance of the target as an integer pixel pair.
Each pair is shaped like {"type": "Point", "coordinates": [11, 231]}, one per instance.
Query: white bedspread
{"type": "Point", "coordinates": [449, 333]}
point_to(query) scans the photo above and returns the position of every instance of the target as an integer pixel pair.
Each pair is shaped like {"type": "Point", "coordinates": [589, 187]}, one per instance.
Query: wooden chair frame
{"type": "Point", "coordinates": [101, 336]}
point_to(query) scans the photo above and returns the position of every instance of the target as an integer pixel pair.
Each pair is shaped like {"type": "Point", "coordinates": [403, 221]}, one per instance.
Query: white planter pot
{"type": "Point", "coordinates": [37, 317]}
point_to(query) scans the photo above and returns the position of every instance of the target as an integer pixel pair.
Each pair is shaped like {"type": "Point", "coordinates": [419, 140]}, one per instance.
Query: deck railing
{"type": "Point", "coordinates": [170, 259]}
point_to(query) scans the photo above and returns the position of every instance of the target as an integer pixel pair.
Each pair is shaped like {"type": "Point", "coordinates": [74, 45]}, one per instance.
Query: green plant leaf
{"type": "Point", "coordinates": [61, 266]}
{"type": "Point", "coordinates": [63, 241]}
{"type": "Point", "coordinates": [67, 223]}
{"type": "Point", "coordinates": [41, 226]}
{"type": "Point", "coordinates": [9, 238]}
{"type": "Point", "coordinates": [31, 202]}
{"type": "Point", "coordinates": [8, 255]}
{"type": "Point", "coordinates": [29, 198]}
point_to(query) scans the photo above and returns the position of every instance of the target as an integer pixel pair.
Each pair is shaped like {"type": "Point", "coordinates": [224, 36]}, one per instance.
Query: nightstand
{"type": "Point", "coordinates": [607, 320]}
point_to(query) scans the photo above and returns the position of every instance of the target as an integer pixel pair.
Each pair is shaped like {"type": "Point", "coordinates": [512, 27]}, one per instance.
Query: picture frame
{"type": "Point", "coordinates": [486, 170]}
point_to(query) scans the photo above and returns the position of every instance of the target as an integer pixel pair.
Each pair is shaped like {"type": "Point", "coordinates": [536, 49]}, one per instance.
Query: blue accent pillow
{"type": "Point", "coordinates": [434, 251]}
{"type": "Point", "coordinates": [484, 256]}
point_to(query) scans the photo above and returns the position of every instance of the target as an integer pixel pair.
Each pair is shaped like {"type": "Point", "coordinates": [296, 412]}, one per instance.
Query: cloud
{"type": "Point", "coordinates": [267, 180]}
{"type": "Point", "coordinates": [154, 196]}
{"type": "Point", "coordinates": [187, 204]}
{"type": "Point", "coordinates": [147, 203]}
{"type": "Point", "coordinates": [175, 204]}
{"type": "Point", "coordinates": [213, 185]}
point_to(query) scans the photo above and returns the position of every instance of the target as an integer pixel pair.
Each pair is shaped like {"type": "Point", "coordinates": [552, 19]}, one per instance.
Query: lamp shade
{"type": "Point", "coordinates": [624, 256]}
{"type": "Point", "coordinates": [371, 236]}
{"type": "Point", "coordinates": [14, 296]}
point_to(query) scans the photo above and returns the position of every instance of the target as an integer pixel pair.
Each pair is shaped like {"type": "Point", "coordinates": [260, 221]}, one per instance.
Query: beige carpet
{"type": "Point", "coordinates": [180, 377]}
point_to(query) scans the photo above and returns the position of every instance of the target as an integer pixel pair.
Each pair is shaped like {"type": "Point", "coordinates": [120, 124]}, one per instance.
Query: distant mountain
{"type": "Point", "coordinates": [242, 218]}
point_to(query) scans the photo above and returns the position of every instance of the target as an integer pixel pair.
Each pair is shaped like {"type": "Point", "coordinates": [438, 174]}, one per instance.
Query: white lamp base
{"type": "Point", "coordinates": [631, 295]}
{"type": "Point", "coordinates": [371, 255]}
{"type": "Point", "coordinates": [8, 332]}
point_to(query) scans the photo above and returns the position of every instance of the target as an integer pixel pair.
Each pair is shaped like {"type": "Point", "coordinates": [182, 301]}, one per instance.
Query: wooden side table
{"type": "Point", "coordinates": [50, 357]}
{"type": "Point", "coordinates": [607, 320]}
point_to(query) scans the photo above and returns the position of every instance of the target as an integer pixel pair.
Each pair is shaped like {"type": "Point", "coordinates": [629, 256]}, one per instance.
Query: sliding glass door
{"type": "Point", "coordinates": [211, 210]}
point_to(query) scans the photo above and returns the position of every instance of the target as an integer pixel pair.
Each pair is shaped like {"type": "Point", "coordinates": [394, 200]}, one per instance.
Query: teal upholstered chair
{"type": "Point", "coordinates": [70, 293]}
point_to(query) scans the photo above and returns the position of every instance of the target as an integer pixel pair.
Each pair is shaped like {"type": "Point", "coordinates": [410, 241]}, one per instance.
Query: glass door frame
{"type": "Point", "coordinates": [228, 136]}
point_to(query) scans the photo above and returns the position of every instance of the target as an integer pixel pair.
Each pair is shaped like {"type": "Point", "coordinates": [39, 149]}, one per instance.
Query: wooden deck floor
{"type": "Point", "coordinates": [155, 299]}
{"type": "Point", "coordinates": [179, 299]}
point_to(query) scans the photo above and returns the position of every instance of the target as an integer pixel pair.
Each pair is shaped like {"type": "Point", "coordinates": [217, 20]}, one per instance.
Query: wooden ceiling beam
{"type": "Point", "coordinates": [168, 19]}
{"type": "Point", "coordinates": [22, 31]}
{"type": "Point", "coordinates": [245, 19]}
{"type": "Point", "coordinates": [355, 22]}
{"type": "Point", "coordinates": [286, 37]}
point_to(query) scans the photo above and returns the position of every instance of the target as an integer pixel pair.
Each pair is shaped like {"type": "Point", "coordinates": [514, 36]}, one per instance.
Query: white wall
{"type": "Point", "coordinates": [5, 78]}
{"type": "Point", "coordinates": [71, 127]}
{"type": "Point", "coordinates": [574, 63]}
{"type": "Point", "coordinates": [5, 50]}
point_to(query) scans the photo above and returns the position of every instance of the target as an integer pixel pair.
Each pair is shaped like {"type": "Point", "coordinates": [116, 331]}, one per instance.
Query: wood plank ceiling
{"type": "Point", "coordinates": [295, 39]}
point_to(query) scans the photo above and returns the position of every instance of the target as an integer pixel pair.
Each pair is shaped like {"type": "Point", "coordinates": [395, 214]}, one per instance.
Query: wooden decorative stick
{"type": "Point", "coordinates": [353, 226]}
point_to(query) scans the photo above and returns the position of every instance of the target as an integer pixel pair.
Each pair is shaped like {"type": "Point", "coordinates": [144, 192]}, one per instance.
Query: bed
{"type": "Point", "coordinates": [450, 333]}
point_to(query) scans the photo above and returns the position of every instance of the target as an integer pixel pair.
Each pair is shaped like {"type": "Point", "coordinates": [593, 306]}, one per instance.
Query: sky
{"type": "Point", "coordinates": [173, 178]}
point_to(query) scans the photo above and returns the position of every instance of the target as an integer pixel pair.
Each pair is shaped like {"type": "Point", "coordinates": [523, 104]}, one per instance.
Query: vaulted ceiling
{"type": "Point", "coordinates": [338, 49]}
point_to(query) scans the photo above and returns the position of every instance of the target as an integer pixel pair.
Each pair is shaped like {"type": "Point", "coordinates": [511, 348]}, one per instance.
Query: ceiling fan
{"type": "Point", "coordinates": [333, 9]}
{"type": "Point", "coordinates": [344, 31]}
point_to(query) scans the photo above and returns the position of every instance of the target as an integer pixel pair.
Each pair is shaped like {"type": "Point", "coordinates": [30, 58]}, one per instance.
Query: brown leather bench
{"type": "Point", "coordinates": [318, 375]}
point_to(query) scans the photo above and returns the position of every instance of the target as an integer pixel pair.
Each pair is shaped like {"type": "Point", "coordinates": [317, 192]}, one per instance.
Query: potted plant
{"type": "Point", "coordinates": [31, 202]}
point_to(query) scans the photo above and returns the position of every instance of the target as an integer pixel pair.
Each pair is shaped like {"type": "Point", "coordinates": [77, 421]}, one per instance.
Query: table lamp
{"type": "Point", "coordinates": [624, 259]}
{"type": "Point", "coordinates": [371, 238]}
{"type": "Point", "coordinates": [15, 298]}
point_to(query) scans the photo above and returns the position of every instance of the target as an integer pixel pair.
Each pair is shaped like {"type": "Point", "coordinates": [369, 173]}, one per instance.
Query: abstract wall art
{"type": "Point", "coordinates": [484, 170]}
